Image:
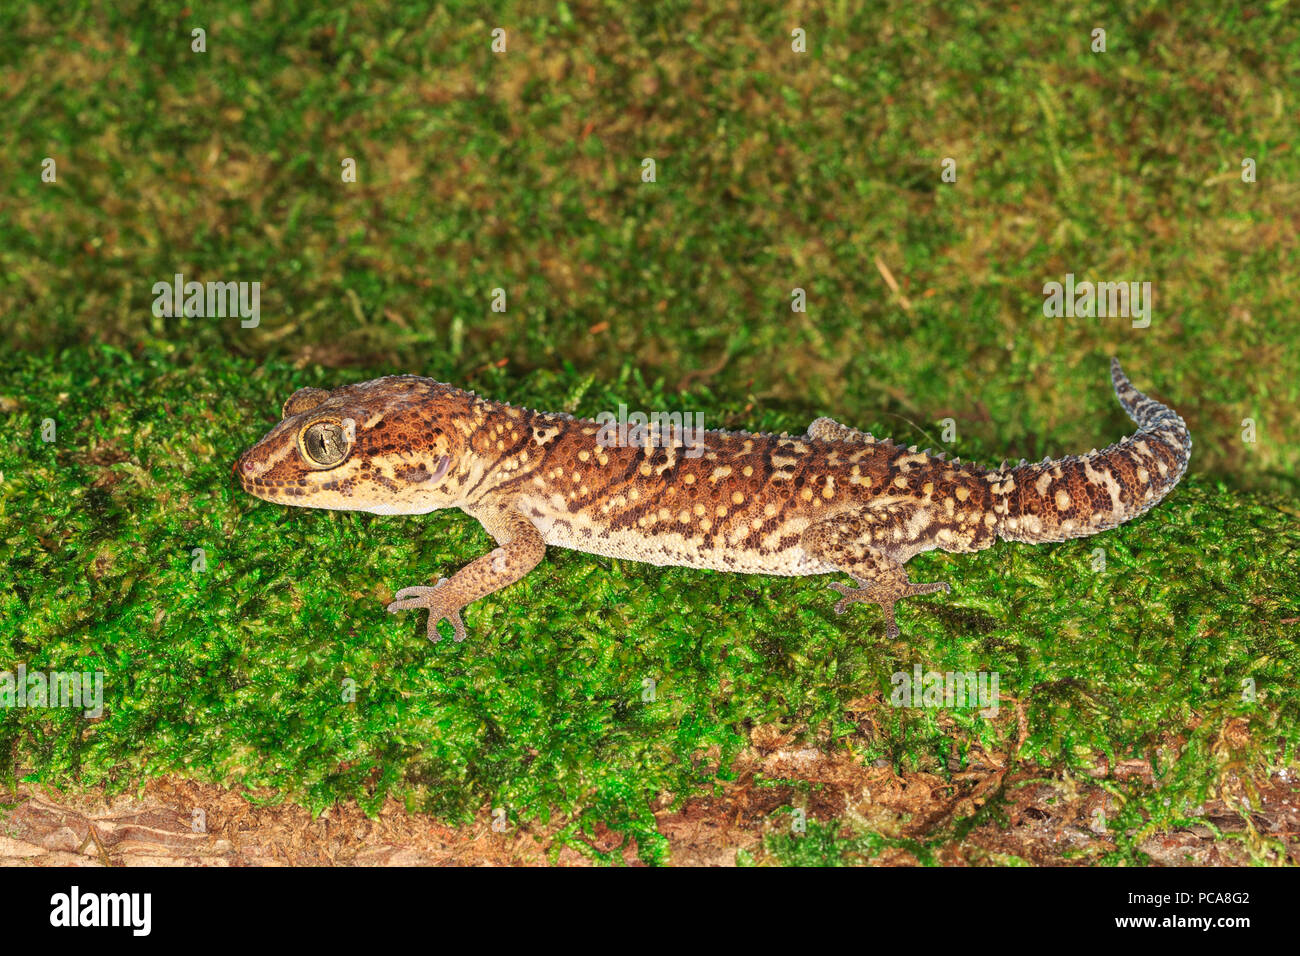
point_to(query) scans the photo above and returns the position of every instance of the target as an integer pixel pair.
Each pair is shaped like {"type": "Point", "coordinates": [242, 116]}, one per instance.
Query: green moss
{"type": "Point", "coordinates": [237, 673]}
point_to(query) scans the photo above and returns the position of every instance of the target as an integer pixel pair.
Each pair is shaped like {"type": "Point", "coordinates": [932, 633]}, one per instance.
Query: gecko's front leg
{"type": "Point", "coordinates": [519, 549]}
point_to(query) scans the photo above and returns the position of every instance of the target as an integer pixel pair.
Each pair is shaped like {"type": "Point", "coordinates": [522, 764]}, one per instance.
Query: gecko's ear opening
{"type": "Point", "coordinates": [303, 400]}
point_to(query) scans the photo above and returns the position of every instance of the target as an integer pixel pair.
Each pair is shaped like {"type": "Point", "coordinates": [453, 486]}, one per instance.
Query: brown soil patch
{"type": "Point", "coordinates": [1044, 820]}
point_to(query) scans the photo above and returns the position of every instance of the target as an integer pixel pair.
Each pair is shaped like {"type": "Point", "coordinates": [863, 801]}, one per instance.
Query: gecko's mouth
{"type": "Point", "coordinates": [263, 488]}
{"type": "Point", "coordinates": [269, 490]}
{"type": "Point", "coordinates": [277, 490]}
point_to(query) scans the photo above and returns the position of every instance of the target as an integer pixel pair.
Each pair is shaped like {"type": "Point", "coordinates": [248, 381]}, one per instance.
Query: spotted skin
{"type": "Point", "coordinates": [833, 500]}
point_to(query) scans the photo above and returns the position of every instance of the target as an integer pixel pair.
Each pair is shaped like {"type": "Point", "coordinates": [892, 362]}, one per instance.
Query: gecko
{"type": "Point", "coordinates": [833, 500]}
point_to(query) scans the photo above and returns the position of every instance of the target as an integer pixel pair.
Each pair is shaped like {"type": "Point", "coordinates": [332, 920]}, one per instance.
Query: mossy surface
{"type": "Point", "coordinates": [241, 672]}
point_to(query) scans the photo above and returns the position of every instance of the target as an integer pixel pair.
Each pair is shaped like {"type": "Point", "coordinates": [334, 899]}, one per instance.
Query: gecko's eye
{"type": "Point", "coordinates": [325, 443]}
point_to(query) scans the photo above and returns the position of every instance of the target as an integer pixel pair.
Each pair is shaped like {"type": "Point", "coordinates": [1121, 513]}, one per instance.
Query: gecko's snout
{"type": "Point", "coordinates": [244, 467]}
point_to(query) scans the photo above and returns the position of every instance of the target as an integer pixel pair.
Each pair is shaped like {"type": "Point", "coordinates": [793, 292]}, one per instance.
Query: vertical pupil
{"type": "Point", "coordinates": [325, 444]}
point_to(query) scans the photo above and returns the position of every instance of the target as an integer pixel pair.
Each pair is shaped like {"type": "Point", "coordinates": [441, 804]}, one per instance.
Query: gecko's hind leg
{"type": "Point", "coordinates": [874, 592]}
{"type": "Point", "coordinates": [846, 542]}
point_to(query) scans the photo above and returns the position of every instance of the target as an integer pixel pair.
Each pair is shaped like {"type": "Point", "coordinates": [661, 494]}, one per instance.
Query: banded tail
{"type": "Point", "coordinates": [1055, 500]}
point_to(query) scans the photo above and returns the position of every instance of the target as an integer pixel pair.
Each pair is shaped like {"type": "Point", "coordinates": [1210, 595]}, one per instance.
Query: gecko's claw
{"type": "Point", "coordinates": [437, 601]}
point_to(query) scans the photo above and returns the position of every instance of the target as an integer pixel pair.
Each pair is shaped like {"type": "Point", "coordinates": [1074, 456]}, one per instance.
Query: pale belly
{"type": "Point", "coordinates": [686, 548]}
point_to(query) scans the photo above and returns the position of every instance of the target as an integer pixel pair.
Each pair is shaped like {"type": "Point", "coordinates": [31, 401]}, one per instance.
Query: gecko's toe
{"type": "Point", "coordinates": [414, 597]}
{"type": "Point", "coordinates": [852, 595]}
{"type": "Point", "coordinates": [407, 603]}
{"type": "Point", "coordinates": [929, 588]}
{"type": "Point", "coordinates": [842, 605]}
{"type": "Point", "coordinates": [452, 617]}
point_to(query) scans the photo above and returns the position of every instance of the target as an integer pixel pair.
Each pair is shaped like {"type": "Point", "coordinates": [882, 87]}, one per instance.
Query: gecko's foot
{"type": "Point", "coordinates": [873, 593]}
{"type": "Point", "coordinates": [437, 601]}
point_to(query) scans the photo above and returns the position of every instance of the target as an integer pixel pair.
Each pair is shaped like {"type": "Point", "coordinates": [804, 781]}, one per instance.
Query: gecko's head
{"type": "Point", "coordinates": [390, 446]}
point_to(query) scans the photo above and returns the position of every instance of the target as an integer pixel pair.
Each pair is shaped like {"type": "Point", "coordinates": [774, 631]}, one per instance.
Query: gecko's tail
{"type": "Point", "coordinates": [1058, 499]}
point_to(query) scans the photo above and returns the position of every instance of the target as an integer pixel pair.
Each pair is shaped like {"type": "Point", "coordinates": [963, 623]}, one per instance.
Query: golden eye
{"type": "Point", "coordinates": [325, 443]}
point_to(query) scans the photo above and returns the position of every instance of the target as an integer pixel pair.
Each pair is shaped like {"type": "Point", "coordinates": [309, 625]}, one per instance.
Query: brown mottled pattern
{"type": "Point", "coordinates": [835, 499]}
{"type": "Point", "coordinates": [1081, 495]}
